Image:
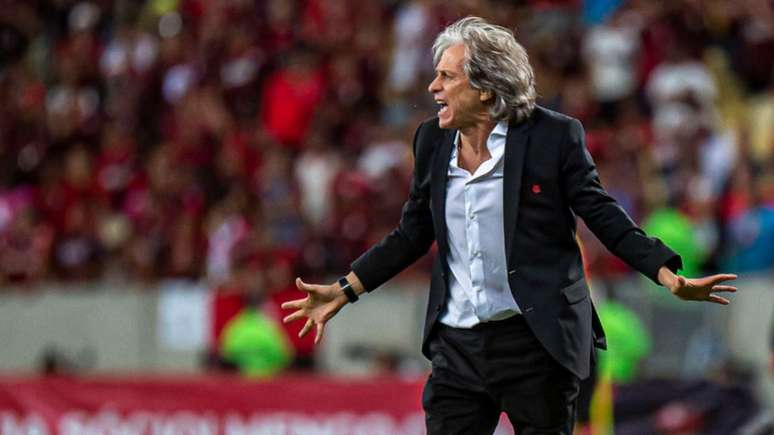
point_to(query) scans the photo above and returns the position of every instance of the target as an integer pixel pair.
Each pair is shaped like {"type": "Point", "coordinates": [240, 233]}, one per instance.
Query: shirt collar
{"type": "Point", "coordinates": [501, 129]}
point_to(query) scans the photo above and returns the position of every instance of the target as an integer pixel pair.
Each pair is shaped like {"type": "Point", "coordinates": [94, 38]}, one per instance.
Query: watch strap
{"type": "Point", "coordinates": [346, 287]}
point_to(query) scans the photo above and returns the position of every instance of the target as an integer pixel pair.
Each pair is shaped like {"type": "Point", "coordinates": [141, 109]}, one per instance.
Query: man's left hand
{"type": "Point", "coordinates": [700, 289]}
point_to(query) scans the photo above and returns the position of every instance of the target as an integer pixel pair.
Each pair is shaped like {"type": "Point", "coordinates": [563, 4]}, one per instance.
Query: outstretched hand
{"type": "Point", "coordinates": [702, 289]}
{"type": "Point", "coordinates": [320, 305]}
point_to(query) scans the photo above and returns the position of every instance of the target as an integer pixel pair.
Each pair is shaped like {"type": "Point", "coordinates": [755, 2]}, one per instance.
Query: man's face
{"type": "Point", "coordinates": [461, 105]}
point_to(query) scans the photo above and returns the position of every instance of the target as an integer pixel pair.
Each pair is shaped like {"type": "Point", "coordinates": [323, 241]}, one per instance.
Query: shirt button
{"type": "Point", "coordinates": [472, 216]}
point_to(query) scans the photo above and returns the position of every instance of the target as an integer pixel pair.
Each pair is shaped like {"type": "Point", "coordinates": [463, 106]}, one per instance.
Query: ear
{"type": "Point", "coordinates": [485, 96]}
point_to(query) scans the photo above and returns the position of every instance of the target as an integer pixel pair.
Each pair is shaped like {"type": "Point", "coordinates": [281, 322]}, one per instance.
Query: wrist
{"type": "Point", "coordinates": [347, 290]}
{"type": "Point", "coordinates": [667, 278]}
{"type": "Point", "coordinates": [341, 298]}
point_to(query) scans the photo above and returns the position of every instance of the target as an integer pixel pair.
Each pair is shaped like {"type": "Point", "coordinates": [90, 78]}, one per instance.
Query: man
{"type": "Point", "coordinates": [497, 184]}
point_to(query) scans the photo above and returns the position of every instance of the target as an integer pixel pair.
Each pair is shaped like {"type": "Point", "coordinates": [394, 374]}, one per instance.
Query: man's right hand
{"type": "Point", "coordinates": [320, 305]}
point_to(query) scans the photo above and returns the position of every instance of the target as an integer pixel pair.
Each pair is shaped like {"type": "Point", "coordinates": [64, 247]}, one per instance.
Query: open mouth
{"type": "Point", "coordinates": [443, 106]}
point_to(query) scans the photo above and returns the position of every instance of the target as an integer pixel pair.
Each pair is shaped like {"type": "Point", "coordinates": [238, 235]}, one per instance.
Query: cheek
{"type": "Point", "coordinates": [462, 104]}
{"type": "Point", "coordinates": [457, 101]}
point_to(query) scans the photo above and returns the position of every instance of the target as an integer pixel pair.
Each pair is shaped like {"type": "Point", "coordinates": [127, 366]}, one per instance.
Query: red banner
{"type": "Point", "coordinates": [298, 405]}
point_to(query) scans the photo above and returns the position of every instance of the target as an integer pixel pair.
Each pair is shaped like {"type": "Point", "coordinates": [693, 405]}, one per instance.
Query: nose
{"type": "Point", "coordinates": [434, 86]}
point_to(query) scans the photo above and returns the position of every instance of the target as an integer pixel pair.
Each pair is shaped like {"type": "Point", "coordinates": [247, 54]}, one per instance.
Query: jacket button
{"type": "Point", "coordinates": [438, 307]}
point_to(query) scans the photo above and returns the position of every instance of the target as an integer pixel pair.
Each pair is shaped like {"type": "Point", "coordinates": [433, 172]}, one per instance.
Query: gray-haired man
{"type": "Point", "coordinates": [497, 184]}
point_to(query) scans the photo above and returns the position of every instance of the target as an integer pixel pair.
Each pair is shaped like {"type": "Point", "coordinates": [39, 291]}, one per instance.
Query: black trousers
{"type": "Point", "coordinates": [491, 368]}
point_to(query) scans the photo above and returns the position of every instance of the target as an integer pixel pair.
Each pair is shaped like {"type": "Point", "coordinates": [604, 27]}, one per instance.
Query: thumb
{"type": "Point", "coordinates": [681, 282]}
{"type": "Point", "coordinates": [304, 287]}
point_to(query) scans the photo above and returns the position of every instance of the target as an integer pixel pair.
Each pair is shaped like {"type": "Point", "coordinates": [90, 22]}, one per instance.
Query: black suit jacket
{"type": "Point", "coordinates": [549, 178]}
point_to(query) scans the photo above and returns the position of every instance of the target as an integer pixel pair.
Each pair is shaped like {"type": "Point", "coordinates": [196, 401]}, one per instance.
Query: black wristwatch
{"type": "Point", "coordinates": [348, 291]}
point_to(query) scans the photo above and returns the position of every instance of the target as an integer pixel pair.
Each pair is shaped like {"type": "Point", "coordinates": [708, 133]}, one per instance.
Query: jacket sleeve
{"type": "Point", "coordinates": [604, 216]}
{"type": "Point", "coordinates": [414, 234]}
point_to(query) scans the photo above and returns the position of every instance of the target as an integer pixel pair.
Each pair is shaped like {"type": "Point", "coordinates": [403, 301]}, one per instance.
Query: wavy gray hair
{"type": "Point", "coordinates": [494, 62]}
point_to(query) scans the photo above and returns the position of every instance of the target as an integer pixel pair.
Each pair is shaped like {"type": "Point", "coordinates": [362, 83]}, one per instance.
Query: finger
{"type": "Point", "coordinates": [723, 288]}
{"type": "Point", "coordinates": [306, 328]}
{"type": "Point", "coordinates": [293, 317]}
{"type": "Point", "coordinates": [304, 287]}
{"type": "Point", "coordinates": [681, 282]}
{"type": "Point", "coordinates": [722, 277]}
{"type": "Point", "coordinates": [718, 300]}
{"type": "Point", "coordinates": [320, 329]}
{"type": "Point", "coordinates": [294, 304]}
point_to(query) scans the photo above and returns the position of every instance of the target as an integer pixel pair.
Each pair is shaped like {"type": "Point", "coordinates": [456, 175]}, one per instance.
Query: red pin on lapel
{"type": "Point", "coordinates": [535, 188]}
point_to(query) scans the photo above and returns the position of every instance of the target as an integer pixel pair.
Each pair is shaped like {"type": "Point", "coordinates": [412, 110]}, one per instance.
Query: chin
{"type": "Point", "coordinates": [445, 123]}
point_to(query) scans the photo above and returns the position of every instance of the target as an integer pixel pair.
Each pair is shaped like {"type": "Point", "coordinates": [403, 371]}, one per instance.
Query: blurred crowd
{"type": "Point", "coordinates": [167, 138]}
{"type": "Point", "coordinates": [245, 142]}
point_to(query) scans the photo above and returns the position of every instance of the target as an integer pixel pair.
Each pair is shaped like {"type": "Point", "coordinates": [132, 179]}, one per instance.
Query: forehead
{"type": "Point", "coordinates": [452, 58]}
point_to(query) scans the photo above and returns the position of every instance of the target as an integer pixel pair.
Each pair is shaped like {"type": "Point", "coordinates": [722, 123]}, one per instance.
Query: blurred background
{"type": "Point", "coordinates": [168, 167]}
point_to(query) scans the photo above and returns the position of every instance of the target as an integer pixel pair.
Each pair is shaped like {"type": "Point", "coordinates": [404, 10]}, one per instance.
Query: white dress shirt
{"type": "Point", "coordinates": [478, 284]}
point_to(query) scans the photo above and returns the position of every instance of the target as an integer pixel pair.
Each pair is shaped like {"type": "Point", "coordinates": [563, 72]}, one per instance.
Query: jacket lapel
{"type": "Point", "coordinates": [438, 192]}
{"type": "Point", "coordinates": [515, 152]}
